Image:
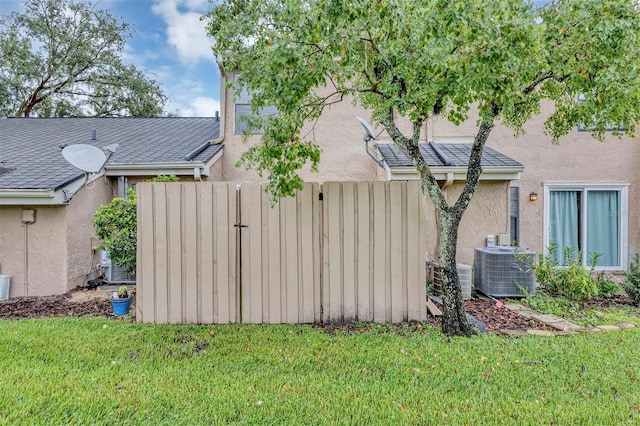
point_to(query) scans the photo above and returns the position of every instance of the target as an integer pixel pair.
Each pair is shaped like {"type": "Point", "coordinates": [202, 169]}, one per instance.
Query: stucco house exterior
{"type": "Point", "coordinates": [587, 192]}
{"type": "Point", "coordinates": [46, 206]}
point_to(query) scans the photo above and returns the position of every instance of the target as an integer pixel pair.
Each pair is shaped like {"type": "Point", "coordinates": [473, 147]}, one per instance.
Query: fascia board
{"type": "Point", "coordinates": [459, 173]}
{"type": "Point", "coordinates": [149, 169]}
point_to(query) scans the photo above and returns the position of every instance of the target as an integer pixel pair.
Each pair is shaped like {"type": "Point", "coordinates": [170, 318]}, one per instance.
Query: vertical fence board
{"type": "Point", "coordinates": [159, 250]}
{"type": "Point", "coordinates": [206, 233]}
{"type": "Point", "coordinates": [308, 253]}
{"type": "Point", "coordinates": [332, 277]}
{"type": "Point", "coordinates": [189, 242]}
{"type": "Point", "coordinates": [379, 209]}
{"type": "Point", "coordinates": [174, 206]}
{"type": "Point", "coordinates": [349, 266]}
{"type": "Point", "coordinates": [396, 253]}
{"type": "Point", "coordinates": [364, 249]}
{"type": "Point", "coordinates": [223, 256]}
{"type": "Point", "coordinates": [273, 253]}
{"type": "Point", "coordinates": [416, 249]}
{"type": "Point", "coordinates": [290, 243]}
{"type": "Point", "coordinates": [251, 254]}
{"type": "Point", "coordinates": [145, 289]}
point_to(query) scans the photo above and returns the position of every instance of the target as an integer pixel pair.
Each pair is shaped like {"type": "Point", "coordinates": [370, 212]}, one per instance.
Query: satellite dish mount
{"type": "Point", "coordinates": [370, 134]}
{"type": "Point", "coordinates": [88, 158]}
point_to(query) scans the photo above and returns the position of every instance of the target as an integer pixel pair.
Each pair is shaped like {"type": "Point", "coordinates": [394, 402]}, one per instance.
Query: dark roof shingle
{"type": "Point", "coordinates": [457, 153]}
{"type": "Point", "coordinates": [30, 146]}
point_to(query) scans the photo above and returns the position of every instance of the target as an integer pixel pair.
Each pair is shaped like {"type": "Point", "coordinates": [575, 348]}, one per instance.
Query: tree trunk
{"type": "Point", "coordinates": [454, 319]}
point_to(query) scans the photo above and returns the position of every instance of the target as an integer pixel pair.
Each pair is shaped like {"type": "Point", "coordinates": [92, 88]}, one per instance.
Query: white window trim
{"type": "Point", "coordinates": [623, 187]}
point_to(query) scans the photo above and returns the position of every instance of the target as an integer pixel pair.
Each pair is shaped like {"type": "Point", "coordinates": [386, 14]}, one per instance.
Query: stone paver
{"type": "Point", "coordinates": [536, 332]}
{"type": "Point", "coordinates": [626, 325]}
{"type": "Point", "coordinates": [608, 327]}
{"type": "Point", "coordinates": [513, 332]}
{"type": "Point", "coordinates": [562, 327]}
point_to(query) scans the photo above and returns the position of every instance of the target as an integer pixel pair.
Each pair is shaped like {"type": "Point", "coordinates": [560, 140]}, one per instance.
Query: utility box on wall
{"type": "Point", "coordinates": [5, 282]}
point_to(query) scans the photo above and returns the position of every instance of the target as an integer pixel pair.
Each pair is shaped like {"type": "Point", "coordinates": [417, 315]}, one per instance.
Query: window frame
{"type": "Point", "coordinates": [621, 187]}
{"type": "Point", "coordinates": [244, 99]}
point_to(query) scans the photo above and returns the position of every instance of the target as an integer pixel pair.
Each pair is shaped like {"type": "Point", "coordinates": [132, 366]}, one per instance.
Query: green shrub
{"type": "Point", "coordinates": [116, 226]}
{"type": "Point", "coordinates": [165, 178]}
{"type": "Point", "coordinates": [631, 283]}
{"type": "Point", "coordinates": [571, 279]}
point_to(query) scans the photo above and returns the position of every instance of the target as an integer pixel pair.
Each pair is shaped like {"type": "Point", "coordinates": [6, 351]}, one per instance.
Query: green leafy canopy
{"type": "Point", "coordinates": [63, 58]}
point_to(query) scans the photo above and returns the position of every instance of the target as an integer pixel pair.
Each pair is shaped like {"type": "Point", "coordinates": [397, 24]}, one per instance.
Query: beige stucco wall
{"type": "Point", "coordinates": [337, 132]}
{"type": "Point", "coordinates": [34, 254]}
{"type": "Point", "coordinates": [578, 158]}
{"type": "Point", "coordinates": [53, 254]}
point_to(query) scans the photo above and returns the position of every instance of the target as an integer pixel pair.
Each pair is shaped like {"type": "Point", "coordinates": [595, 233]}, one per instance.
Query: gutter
{"type": "Point", "coordinates": [149, 169]}
{"type": "Point", "coordinates": [456, 173]}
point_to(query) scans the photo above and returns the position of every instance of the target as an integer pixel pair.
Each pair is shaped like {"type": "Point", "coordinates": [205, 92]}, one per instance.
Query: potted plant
{"type": "Point", "coordinates": [121, 301]}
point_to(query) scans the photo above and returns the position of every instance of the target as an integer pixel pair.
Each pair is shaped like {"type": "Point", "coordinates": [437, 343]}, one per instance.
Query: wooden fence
{"type": "Point", "coordinates": [212, 252]}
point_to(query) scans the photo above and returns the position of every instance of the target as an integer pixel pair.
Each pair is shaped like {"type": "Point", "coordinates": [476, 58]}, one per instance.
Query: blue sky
{"type": "Point", "coordinates": [170, 44]}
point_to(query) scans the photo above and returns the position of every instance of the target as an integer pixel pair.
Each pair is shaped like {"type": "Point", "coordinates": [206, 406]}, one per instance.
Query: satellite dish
{"type": "Point", "coordinates": [370, 134]}
{"type": "Point", "coordinates": [87, 158]}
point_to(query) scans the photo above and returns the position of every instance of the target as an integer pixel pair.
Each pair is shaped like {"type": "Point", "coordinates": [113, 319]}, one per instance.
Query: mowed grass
{"type": "Point", "coordinates": [99, 371]}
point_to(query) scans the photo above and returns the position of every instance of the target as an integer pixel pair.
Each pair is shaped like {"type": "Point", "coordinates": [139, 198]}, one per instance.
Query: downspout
{"type": "Point", "coordinates": [26, 258]}
{"type": "Point", "coordinates": [26, 221]}
{"type": "Point", "coordinates": [223, 102]}
{"type": "Point", "coordinates": [448, 182]}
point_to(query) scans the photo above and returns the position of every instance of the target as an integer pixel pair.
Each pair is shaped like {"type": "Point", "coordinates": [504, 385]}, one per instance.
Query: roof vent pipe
{"type": "Point", "coordinates": [93, 134]}
{"type": "Point", "coordinates": [217, 116]}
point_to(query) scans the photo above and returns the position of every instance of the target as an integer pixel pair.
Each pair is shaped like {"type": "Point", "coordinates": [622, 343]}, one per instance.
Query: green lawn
{"type": "Point", "coordinates": [99, 371]}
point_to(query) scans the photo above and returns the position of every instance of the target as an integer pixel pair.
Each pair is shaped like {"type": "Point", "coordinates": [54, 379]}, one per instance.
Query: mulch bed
{"type": "Point", "coordinates": [53, 306]}
{"type": "Point", "coordinates": [497, 319]}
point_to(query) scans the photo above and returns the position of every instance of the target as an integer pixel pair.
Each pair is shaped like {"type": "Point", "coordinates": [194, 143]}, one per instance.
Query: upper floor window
{"type": "Point", "coordinates": [243, 111]}
{"type": "Point", "coordinates": [620, 127]}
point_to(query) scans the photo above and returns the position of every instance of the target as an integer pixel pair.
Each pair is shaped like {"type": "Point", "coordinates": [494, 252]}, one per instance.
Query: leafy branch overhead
{"type": "Point", "coordinates": [63, 58]}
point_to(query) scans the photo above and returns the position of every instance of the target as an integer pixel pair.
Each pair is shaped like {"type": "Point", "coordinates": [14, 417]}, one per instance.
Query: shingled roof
{"type": "Point", "coordinates": [448, 157]}
{"type": "Point", "coordinates": [30, 153]}
{"type": "Point", "coordinates": [437, 154]}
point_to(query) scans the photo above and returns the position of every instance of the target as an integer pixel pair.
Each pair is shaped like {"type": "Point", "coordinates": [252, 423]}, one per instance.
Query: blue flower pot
{"type": "Point", "coordinates": [121, 306]}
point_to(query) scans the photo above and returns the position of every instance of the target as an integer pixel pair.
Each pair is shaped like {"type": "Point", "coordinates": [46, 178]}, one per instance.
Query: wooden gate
{"type": "Point", "coordinates": [216, 252]}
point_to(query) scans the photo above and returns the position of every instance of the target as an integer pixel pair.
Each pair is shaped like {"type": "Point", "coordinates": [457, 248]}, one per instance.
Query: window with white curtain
{"type": "Point", "coordinates": [588, 219]}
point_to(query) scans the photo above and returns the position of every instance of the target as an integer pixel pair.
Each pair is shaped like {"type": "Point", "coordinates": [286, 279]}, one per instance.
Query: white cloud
{"type": "Point", "coordinates": [199, 106]}
{"type": "Point", "coordinates": [185, 31]}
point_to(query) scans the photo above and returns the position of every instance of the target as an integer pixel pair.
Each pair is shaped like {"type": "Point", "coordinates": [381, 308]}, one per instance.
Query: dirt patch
{"type": "Point", "coordinates": [76, 303]}
{"type": "Point", "coordinates": [617, 300]}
